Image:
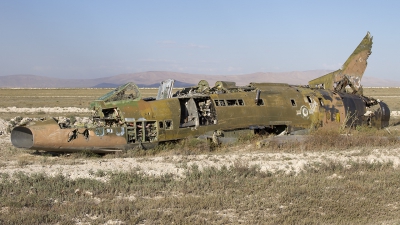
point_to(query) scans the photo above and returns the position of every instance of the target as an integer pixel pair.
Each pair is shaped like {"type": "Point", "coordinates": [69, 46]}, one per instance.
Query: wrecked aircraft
{"type": "Point", "coordinates": [124, 120]}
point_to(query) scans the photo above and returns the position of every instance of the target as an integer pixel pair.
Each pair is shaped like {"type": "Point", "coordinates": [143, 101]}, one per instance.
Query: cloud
{"type": "Point", "coordinates": [196, 46]}
{"type": "Point", "coordinates": [157, 61]}
{"type": "Point", "coordinates": [42, 68]}
{"type": "Point", "coordinates": [166, 42]}
{"type": "Point", "coordinates": [234, 69]}
{"type": "Point", "coordinates": [174, 44]}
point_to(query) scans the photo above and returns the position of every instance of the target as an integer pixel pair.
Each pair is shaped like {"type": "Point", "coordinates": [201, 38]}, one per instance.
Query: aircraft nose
{"type": "Point", "coordinates": [22, 137]}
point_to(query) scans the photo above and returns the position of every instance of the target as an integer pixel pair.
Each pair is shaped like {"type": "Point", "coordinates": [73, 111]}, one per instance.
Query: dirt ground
{"type": "Point", "coordinates": [364, 190]}
{"type": "Point", "coordinates": [29, 162]}
{"type": "Point", "coordinates": [176, 164]}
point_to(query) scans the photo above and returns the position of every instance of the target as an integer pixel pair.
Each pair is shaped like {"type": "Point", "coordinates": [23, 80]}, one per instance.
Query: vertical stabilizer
{"type": "Point", "coordinates": [351, 71]}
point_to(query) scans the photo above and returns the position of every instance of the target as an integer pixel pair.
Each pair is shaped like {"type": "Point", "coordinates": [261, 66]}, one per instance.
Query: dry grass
{"type": "Point", "coordinates": [328, 193]}
{"type": "Point", "coordinates": [79, 97]}
{"type": "Point", "coordinates": [331, 192]}
{"type": "Point", "coordinates": [35, 98]}
{"type": "Point", "coordinates": [390, 96]}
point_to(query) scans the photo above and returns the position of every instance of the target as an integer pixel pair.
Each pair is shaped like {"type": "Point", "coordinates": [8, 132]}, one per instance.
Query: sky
{"type": "Point", "coordinates": [92, 39]}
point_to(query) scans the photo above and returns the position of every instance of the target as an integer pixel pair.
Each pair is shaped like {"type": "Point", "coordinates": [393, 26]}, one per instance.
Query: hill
{"type": "Point", "coordinates": [153, 78]}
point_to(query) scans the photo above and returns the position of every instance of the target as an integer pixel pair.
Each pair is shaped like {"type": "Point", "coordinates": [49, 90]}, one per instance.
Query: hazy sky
{"type": "Point", "coordinates": [89, 39]}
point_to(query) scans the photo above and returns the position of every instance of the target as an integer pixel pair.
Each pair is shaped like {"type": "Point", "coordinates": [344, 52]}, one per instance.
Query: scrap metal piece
{"type": "Point", "coordinates": [165, 89]}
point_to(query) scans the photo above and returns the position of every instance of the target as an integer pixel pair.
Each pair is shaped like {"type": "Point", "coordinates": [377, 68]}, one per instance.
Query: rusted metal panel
{"type": "Point", "coordinates": [49, 136]}
{"type": "Point", "coordinates": [351, 72]}
{"type": "Point", "coordinates": [125, 121]}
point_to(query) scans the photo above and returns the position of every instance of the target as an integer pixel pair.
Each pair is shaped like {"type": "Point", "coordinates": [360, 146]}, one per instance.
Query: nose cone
{"type": "Point", "coordinates": [22, 137]}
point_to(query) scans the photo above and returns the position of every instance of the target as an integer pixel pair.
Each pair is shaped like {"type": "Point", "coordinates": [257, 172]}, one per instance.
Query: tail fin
{"type": "Point", "coordinates": [351, 71]}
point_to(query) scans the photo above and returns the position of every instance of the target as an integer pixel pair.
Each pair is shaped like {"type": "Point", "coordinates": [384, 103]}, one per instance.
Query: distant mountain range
{"type": "Point", "coordinates": [153, 79]}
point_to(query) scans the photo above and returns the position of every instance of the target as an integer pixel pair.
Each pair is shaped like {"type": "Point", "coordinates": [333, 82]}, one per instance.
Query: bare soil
{"type": "Point", "coordinates": [30, 162]}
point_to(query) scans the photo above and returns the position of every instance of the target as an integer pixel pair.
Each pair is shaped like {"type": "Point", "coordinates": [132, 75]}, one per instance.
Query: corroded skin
{"type": "Point", "coordinates": [125, 121]}
{"type": "Point", "coordinates": [48, 136]}
{"type": "Point", "coordinates": [353, 69]}
{"type": "Point", "coordinates": [285, 108]}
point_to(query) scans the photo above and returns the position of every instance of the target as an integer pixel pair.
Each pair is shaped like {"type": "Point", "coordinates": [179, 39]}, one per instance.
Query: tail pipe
{"type": "Point", "coordinates": [48, 136]}
{"type": "Point", "coordinates": [22, 137]}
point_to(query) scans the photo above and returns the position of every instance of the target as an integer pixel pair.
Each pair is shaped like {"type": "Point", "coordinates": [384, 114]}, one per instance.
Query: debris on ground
{"type": "Point", "coordinates": [7, 126]}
